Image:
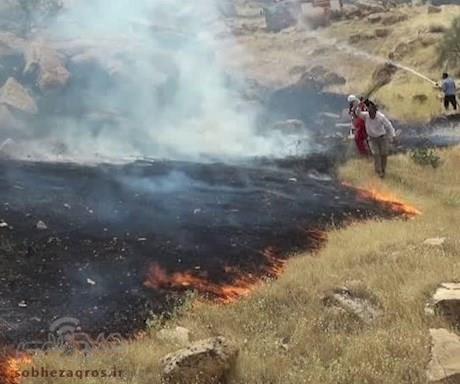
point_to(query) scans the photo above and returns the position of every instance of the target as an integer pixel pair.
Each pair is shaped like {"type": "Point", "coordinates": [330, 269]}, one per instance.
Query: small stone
{"type": "Point", "coordinates": [41, 225]}
{"type": "Point", "coordinates": [435, 241]}
{"type": "Point", "coordinates": [434, 9]}
{"type": "Point", "coordinates": [382, 32]}
{"type": "Point", "coordinates": [375, 18]}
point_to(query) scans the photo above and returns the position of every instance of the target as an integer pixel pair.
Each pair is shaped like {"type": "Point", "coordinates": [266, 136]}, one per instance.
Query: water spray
{"type": "Point", "coordinates": [376, 59]}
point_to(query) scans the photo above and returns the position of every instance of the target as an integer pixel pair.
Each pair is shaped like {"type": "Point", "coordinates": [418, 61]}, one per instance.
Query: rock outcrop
{"type": "Point", "coordinates": [446, 302]}
{"type": "Point", "coordinates": [46, 65]}
{"type": "Point", "coordinates": [205, 362]}
{"type": "Point", "coordinates": [15, 96]}
{"type": "Point", "coordinates": [444, 366]}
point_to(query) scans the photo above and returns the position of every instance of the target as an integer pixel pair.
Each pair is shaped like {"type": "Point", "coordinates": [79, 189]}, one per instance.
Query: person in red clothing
{"type": "Point", "coordinates": [358, 124]}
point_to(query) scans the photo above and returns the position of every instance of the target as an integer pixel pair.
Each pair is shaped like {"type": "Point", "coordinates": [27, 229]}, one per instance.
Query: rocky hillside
{"type": "Point", "coordinates": [345, 56]}
{"type": "Point", "coordinates": [48, 80]}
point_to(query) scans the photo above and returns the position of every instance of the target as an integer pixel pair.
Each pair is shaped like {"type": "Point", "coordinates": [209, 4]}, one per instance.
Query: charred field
{"type": "Point", "coordinates": [123, 241]}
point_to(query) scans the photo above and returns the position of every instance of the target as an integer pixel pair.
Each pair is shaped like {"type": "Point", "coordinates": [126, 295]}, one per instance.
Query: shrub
{"type": "Point", "coordinates": [437, 28]}
{"type": "Point", "coordinates": [425, 157]}
{"type": "Point", "coordinates": [450, 44]}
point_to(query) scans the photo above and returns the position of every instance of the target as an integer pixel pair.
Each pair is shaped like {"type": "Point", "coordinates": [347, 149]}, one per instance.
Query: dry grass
{"type": "Point", "coordinates": [386, 259]}
{"type": "Point", "coordinates": [269, 57]}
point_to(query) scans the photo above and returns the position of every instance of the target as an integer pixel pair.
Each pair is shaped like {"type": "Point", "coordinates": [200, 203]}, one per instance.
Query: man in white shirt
{"type": "Point", "coordinates": [379, 131]}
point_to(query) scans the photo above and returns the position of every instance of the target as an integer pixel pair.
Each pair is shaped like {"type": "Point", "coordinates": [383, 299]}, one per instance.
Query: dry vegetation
{"type": "Point", "coordinates": [271, 57]}
{"type": "Point", "coordinates": [285, 333]}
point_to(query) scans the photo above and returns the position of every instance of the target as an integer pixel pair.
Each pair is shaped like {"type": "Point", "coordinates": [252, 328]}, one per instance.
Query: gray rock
{"type": "Point", "coordinates": [349, 301]}
{"type": "Point", "coordinates": [206, 362]}
{"type": "Point", "coordinates": [444, 366]}
{"type": "Point", "coordinates": [41, 225]}
{"type": "Point", "coordinates": [282, 15]}
{"type": "Point", "coordinates": [374, 18]}
{"type": "Point", "coordinates": [446, 302]}
{"type": "Point", "coordinates": [382, 32]}
{"type": "Point", "coordinates": [44, 62]}
{"type": "Point", "coordinates": [15, 96]}
{"type": "Point", "coordinates": [320, 77]}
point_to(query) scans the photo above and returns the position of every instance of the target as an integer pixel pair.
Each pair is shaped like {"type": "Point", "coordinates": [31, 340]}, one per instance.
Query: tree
{"type": "Point", "coordinates": [449, 48]}
{"type": "Point", "coordinates": [37, 12]}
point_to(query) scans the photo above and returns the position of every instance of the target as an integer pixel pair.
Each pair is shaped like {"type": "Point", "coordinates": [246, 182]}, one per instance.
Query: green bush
{"type": "Point", "coordinates": [425, 157]}
{"type": "Point", "coordinates": [450, 44]}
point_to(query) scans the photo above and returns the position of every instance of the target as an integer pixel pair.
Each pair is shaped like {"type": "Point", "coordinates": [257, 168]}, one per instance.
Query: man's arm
{"type": "Point", "coordinates": [444, 86]}
{"type": "Point", "coordinates": [388, 125]}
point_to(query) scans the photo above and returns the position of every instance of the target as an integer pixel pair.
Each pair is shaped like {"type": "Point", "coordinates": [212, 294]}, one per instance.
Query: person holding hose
{"type": "Point", "coordinates": [380, 131]}
{"type": "Point", "coordinates": [450, 90]}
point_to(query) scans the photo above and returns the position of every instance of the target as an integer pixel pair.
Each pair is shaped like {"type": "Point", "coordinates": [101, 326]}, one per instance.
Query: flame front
{"type": "Point", "coordinates": [241, 286]}
{"type": "Point", "coordinates": [388, 199]}
{"type": "Point", "coordinates": [10, 368]}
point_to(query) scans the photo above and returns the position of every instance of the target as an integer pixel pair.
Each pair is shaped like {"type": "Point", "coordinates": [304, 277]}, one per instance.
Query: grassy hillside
{"type": "Point", "coordinates": [414, 42]}
{"type": "Point", "coordinates": [353, 49]}
{"type": "Point", "coordinates": [285, 333]}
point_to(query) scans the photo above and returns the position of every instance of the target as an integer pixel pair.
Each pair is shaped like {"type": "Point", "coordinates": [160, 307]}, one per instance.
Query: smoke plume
{"type": "Point", "coordinates": [159, 88]}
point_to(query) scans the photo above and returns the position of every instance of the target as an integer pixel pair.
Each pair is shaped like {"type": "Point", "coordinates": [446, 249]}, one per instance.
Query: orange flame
{"type": "Point", "coordinates": [11, 366]}
{"type": "Point", "coordinates": [224, 293]}
{"type": "Point", "coordinates": [386, 198]}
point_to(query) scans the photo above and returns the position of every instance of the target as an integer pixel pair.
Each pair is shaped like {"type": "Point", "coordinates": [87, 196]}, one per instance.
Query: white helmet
{"type": "Point", "coordinates": [352, 99]}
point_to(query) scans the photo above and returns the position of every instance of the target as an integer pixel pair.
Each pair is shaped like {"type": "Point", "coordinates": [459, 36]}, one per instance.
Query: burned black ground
{"type": "Point", "coordinates": [107, 224]}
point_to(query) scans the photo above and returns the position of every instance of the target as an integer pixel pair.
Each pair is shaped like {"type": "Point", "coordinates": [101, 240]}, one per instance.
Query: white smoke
{"type": "Point", "coordinates": [168, 95]}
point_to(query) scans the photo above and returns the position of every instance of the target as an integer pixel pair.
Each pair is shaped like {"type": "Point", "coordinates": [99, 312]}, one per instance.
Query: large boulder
{"type": "Point", "coordinates": [444, 366]}
{"type": "Point", "coordinates": [45, 64]}
{"type": "Point", "coordinates": [15, 96]}
{"type": "Point", "coordinates": [282, 15]}
{"type": "Point", "coordinates": [446, 302]}
{"type": "Point", "coordinates": [205, 362]}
